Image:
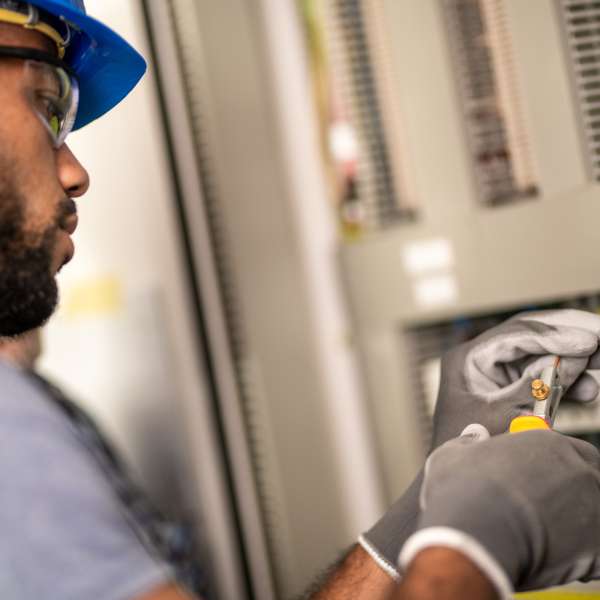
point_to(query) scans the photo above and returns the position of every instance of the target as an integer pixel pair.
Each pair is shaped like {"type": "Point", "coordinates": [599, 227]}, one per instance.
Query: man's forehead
{"type": "Point", "coordinates": [15, 35]}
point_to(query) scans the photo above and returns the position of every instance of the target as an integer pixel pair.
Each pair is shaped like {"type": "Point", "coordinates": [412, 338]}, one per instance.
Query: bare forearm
{"type": "Point", "coordinates": [357, 578]}
{"type": "Point", "coordinates": [443, 574]}
{"type": "Point", "coordinates": [435, 574]}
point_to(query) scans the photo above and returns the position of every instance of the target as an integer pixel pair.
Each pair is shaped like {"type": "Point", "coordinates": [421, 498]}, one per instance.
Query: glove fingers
{"type": "Point", "coordinates": [585, 389]}
{"type": "Point", "coordinates": [540, 339]}
{"type": "Point", "coordinates": [588, 452]}
{"type": "Point", "coordinates": [580, 386]}
{"type": "Point", "coordinates": [486, 363]}
{"type": "Point", "coordinates": [564, 317]}
{"type": "Point", "coordinates": [474, 433]}
{"type": "Point", "coordinates": [594, 361]}
{"type": "Point", "coordinates": [471, 434]}
{"type": "Point", "coordinates": [515, 379]}
{"type": "Point", "coordinates": [569, 370]}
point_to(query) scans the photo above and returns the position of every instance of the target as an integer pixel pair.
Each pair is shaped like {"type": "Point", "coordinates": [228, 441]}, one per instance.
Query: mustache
{"type": "Point", "coordinates": [66, 209]}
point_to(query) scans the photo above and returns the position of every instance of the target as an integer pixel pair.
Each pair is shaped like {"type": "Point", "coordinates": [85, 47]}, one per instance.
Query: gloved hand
{"type": "Point", "coordinates": [487, 380]}
{"type": "Point", "coordinates": [525, 508]}
{"type": "Point", "coordinates": [385, 539]}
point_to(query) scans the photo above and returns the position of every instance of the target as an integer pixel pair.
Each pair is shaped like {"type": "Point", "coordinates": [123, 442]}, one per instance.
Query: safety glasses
{"type": "Point", "coordinates": [51, 88]}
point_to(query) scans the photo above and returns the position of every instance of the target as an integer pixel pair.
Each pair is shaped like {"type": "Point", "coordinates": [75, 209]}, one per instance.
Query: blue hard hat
{"type": "Point", "coordinates": [107, 67]}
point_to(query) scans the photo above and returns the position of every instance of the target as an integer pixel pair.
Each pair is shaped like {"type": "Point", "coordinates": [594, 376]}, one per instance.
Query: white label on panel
{"type": "Point", "coordinates": [427, 256]}
{"type": "Point", "coordinates": [435, 291]}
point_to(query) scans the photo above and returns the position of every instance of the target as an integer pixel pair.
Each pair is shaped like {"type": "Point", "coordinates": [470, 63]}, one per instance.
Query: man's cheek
{"type": "Point", "coordinates": [39, 216]}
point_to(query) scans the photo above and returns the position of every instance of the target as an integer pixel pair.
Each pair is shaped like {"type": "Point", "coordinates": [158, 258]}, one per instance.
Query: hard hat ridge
{"type": "Point", "coordinates": [24, 14]}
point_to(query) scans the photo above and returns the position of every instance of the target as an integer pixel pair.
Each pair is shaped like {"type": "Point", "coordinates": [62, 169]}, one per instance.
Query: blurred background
{"type": "Point", "coordinates": [300, 208]}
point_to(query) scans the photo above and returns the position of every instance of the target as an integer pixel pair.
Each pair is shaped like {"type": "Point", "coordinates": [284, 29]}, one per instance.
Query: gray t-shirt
{"type": "Point", "coordinates": [63, 533]}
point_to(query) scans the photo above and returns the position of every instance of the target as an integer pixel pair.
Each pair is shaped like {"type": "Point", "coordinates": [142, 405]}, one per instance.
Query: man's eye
{"type": "Point", "coordinates": [51, 112]}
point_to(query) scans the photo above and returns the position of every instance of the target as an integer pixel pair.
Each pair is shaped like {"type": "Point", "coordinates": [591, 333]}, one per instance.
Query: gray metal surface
{"type": "Point", "coordinates": [282, 434]}
{"type": "Point", "coordinates": [181, 70]}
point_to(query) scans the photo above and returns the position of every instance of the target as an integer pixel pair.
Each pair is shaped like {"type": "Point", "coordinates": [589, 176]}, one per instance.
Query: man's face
{"type": "Point", "coordinates": [37, 185]}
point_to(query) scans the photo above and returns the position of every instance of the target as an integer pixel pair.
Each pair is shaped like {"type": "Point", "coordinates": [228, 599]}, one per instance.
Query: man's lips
{"type": "Point", "coordinates": [67, 227]}
{"type": "Point", "coordinates": [70, 224]}
{"type": "Point", "coordinates": [69, 251]}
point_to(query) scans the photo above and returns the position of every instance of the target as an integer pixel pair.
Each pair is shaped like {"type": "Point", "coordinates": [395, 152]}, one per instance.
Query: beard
{"type": "Point", "coordinates": [28, 289]}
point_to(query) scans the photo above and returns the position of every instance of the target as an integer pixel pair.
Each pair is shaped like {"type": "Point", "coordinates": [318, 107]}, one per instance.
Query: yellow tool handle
{"type": "Point", "coordinates": [527, 423]}
{"type": "Point", "coordinates": [559, 594]}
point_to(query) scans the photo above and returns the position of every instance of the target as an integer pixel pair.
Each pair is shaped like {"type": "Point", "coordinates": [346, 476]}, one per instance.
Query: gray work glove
{"type": "Point", "coordinates": [524, 507]}
{"type": "Point", "coordinates": [487, 380]}
{"type": "Point", "coordinates": [385, 539]}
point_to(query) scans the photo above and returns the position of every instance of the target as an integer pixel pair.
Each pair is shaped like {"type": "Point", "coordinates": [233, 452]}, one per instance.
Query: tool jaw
{"type": "Point", "coordinates": [548, 395]}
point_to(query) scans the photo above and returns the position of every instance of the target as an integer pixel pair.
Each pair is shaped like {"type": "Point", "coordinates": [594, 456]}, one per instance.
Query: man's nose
{"type": "Point", "coordinates": [71, 174]}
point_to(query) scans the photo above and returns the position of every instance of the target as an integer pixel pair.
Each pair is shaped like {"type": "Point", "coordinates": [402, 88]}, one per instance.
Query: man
{"type": "Point", "coordinates": [66, 534]}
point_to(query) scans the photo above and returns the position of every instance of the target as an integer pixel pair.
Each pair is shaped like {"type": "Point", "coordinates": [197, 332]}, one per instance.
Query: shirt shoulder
{"type": "Point", "coordinates": [65, 534]}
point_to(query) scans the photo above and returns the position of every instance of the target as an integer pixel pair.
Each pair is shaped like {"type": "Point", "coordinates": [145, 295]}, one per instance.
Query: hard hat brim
{"type": "Point", "coordinates": [107, 67]}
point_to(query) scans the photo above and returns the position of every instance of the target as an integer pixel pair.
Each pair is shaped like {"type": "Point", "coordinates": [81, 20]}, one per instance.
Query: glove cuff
{"type": "Point", "coordinates": [463, 543]}
{"type": "Point", "coordinates": [381, 561]}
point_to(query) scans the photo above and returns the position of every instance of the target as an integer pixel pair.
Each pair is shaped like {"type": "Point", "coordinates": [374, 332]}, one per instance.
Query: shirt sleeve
{"type": "Point", "coordinates": [64, 535]}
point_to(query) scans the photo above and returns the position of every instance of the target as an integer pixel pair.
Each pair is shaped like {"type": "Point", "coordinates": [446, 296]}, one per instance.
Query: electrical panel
{"type": "Point", "coordinates": [580, 22]}
{"type": "Point", "coordinates": [483, 64]}
{"type": "Point", "coordinates": [464, 135]}
{"type": "Point", "coordinates": [375, 191]}
{"type": "Point", "coordinates": [498, 101]}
